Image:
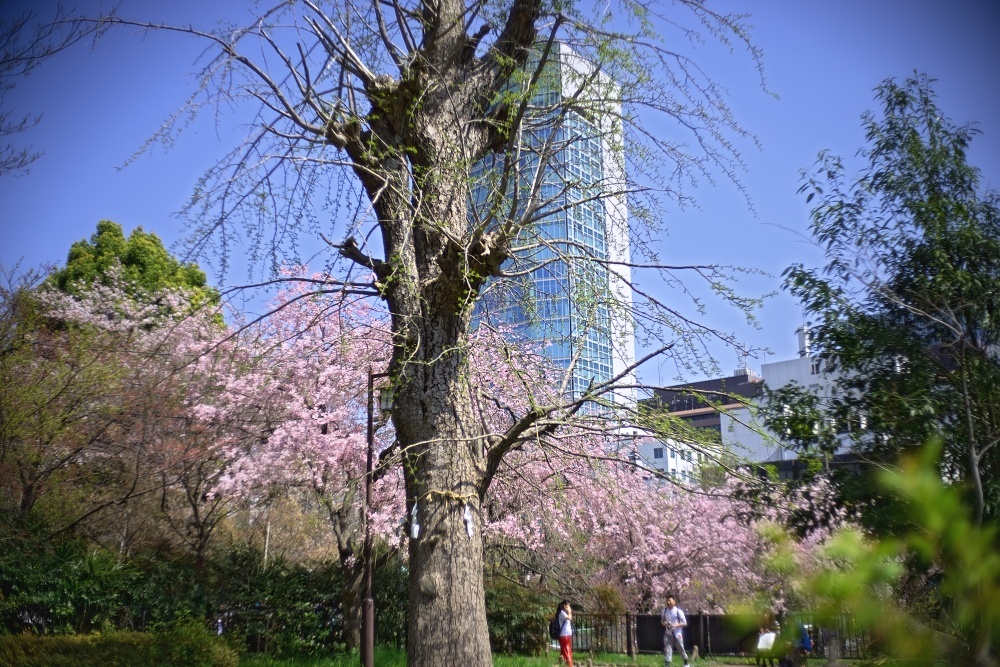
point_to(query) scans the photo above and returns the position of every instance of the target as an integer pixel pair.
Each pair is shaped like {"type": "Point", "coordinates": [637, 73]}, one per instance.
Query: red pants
{"type": "Point", "coordinates": [566, 649]}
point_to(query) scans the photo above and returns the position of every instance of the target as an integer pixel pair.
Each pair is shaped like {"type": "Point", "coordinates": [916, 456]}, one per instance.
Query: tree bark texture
{"type": "Point", "coordinates": [414, 158]}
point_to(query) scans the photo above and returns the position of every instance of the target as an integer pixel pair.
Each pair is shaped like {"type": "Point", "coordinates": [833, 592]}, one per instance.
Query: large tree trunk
{"type": "Point", "coordinates": [436, 425]}
{"type": "Point", "coordinates": [443, 461]}
{"type": "Point", "coordinates": [447, 614]}
{"type": "Point", "coordinates": [414, 161]}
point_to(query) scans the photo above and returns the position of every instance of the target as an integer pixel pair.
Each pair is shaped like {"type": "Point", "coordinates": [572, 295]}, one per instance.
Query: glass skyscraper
{"type": "Point", "coordinates": [563, 182]}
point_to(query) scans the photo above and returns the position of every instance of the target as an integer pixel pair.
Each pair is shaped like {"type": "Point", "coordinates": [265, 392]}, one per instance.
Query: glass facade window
{"type": "Point", "coordinates": [561, 302]}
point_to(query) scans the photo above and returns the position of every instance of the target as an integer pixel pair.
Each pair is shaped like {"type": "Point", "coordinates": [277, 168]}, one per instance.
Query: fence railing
{"type": "Point", "coordinates": [713, 634]}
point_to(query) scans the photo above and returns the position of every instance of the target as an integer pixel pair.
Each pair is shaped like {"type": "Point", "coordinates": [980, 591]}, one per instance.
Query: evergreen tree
{"type": "Point", "coordinates": [138, 263]}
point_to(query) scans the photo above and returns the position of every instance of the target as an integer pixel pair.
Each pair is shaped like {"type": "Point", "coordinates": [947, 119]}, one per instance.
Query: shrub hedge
{"type": "Point", "coordinates": [188, 644]}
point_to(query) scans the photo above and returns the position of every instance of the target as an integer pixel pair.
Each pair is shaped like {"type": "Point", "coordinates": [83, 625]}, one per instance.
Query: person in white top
{"type": "Point", "coordinates": [673, 621]}
{"type": "Point", "coordinates": [565, 615]}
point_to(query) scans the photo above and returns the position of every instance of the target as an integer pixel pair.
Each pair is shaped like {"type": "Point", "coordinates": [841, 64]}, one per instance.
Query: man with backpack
{"type": "Point", "coordinates": [673, 621]}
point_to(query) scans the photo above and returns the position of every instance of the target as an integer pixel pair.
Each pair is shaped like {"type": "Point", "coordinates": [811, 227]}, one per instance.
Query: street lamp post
{"type": "Point", "coordinates": [368, 604]}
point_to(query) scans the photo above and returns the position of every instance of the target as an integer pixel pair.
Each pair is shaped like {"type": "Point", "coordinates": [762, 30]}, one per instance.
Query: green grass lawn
{"type": "Point", "coordinates": [385, 657]}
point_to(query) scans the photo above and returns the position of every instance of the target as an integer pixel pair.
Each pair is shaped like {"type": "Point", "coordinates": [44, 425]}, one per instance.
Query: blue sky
{"type": "Point", "coordinates": [822, 60]}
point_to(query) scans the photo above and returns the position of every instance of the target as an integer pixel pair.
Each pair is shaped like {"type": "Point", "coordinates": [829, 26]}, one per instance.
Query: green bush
{"type": "Point", "coordinates": [518, 617]}
{"type": "Point", "coordinates": [863, 570]}
{"type": "Point", "coordinates": [281, 609]}
{"type": "Point", "coordinates": [69, 586]}
{"type": "Point", "coordinates": [188, 645]}
{"type": "Point", "coordinates": [73, 587]}
{"type": "Point", "coordinates": [170, 587]}
{"type": "Point", "coordinates": [61, 587]}
{"type": "Point", "coordinates": [390, 589]}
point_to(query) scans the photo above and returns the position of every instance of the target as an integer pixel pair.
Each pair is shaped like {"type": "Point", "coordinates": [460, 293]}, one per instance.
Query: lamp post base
{"type": "Point", "coordinates": [368, 633]}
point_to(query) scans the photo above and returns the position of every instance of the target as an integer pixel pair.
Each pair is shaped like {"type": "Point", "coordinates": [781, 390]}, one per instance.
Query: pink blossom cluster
{"type": "Point", "coordinates": [131, 369]}
{"type": "Point", "coordinates": [281, 404]}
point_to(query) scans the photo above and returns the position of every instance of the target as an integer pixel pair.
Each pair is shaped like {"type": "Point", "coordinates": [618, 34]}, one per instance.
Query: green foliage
{"type": "Point", "coordinates": [905, 308]}
{"type": "Point", "coordinates": [607, 602]}
{"type": "Point", "coordinates": [518, 617]}
{"type": "Point", "coordinates": [61, 587]}
{"type": "Point", "coordinates": [142, 260]}
{"type": "Point", "coordinates": [608, 610]}
{"type": "Point", "coordinates": [863, 572]}
{"type": "Point", "coordinates": [800, 419]}
{"type": "Point", "coordinates": [188, 644]}
{"type": "Point", "coordinates": [168, 588]}
{"type": "Point", "coordinates": [279, 608]}
{"type": "Point", "coordinates": [69, 587]}
{"type": "Point", "coordinates": [59, 386]}
{"type": "Point", "coordinates": [390, 588]}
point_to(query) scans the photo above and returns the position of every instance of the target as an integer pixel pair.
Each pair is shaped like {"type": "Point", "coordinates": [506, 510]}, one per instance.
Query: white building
{"type": "Point", "coordinates": [670, 457]}
{"type": "Point", "coordinates": [729, 405]}
{"type": "Point", "coordinates": [742, 432]}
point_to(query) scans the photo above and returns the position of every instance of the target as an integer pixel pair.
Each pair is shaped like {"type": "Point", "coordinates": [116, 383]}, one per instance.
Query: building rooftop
{"type": "Point", "coordinates": [697, 397]}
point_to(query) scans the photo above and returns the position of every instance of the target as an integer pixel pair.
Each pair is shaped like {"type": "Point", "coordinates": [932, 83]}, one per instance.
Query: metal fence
{"type": "Point", "coordinates": [713, 634]}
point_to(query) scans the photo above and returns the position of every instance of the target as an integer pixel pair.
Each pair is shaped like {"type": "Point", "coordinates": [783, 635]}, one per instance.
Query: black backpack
{"type": "Point", "coordinates": [554, 627]}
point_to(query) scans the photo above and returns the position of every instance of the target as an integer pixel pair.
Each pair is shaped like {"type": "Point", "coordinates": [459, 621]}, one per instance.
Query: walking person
{"type": "Point", "coordinates": [673, 621]}
{"type": "Point", "coordinates": [798, 645]}
{"type": "Point", "coordinates": [565, 615]}
{"type": "Point", "coordinates": [767, 645]}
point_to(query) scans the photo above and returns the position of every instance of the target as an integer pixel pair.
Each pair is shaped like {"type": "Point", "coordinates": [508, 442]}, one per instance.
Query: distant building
{"type": "Point", "coordinates": [699, 403]}
{"type": "Point", "coordinates": [574, 295]}
{"type": "Point", "coordinates": [670, 457]}
{"type": "Point", "coordinates": [726, 405]}
{"type": "Point", "coordinates": [745, 436]}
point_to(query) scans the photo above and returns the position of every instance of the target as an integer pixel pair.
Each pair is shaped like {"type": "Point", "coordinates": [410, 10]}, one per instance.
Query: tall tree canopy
{"type": "Point", "coordinates": [377, 116]}
{"type": "Point", "coordinates": [905, 309]}
{"type": "Point", "coordinates": [92, 390]}
{"type": "Point", "coordinates": [139, 262]}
